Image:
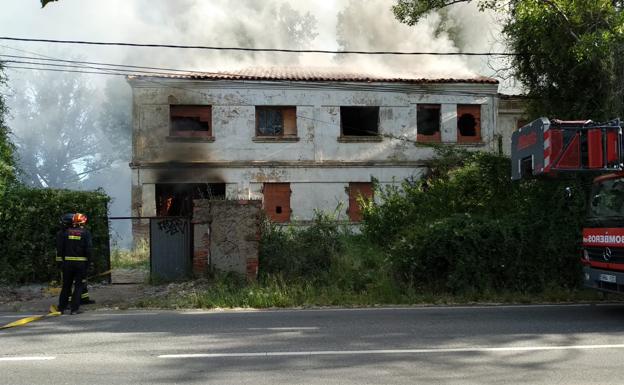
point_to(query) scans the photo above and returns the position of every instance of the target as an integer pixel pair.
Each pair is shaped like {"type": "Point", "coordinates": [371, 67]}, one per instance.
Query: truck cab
{"type": "Point", "coordinates": [602, 251]}
{"type": "Point", "coordinates": [553, 147]}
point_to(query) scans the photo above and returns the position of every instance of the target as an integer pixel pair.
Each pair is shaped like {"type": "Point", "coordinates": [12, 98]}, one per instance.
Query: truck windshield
{"type": "Point", "coordinates": [607, 199]}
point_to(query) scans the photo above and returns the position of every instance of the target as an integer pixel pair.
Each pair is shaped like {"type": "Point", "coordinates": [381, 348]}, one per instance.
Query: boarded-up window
{"type": "Point", "coordinates": [358, 191]}
{"type": "Point", "coordinates": [277, 201]}
{"type": "Point", "coordinates": [428, 123]}
{"type": "Point", "coordinates": [276, 121]}
{"type": "Point", "coordinates": [189, 121]}
{"type": "Point", "coordinates": [359, 121]}
{"type": "Point", "coordinates": [469, 123]}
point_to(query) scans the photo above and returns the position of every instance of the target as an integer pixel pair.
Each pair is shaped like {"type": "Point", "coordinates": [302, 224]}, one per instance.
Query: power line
{"type": "Point", "coordinates": [129, 72]}
{"type": "Point", "coordinates": [246, 49]}
{"type": "Point", "coordinates": [44, 58]}
{"type": "Point", "coordinates": [61, 70]}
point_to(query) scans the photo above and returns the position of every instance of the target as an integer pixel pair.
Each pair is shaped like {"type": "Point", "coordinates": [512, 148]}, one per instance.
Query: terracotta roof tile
{"type": "Point", "coordinates": [314, 74]}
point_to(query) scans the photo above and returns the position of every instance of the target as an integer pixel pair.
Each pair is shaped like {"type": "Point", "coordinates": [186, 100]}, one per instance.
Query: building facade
{"type": "Point", "coordinates": [297, 139]}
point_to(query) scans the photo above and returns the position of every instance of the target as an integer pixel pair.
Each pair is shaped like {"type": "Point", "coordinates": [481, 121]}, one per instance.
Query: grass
{"type": "Point", "coordinates": [359, 275]}
{"type": "Point", "coordinates": [137, 258]}
{"type": "Point", "coordinates": [275, 292]}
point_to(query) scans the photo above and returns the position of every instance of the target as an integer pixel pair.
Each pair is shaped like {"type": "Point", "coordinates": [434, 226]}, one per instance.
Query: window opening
{"type": "Point", "coordinates": [428, 122]}
{"type": "Point", "coordinates": [276, 121]}
{"type": "Point", "coordinates": [190, 120]}
{"type": "Point", "coordinates": [359, 121]}
{"type": "Point", "coordinates": [469, 123]}
{"type": "Point", "coordinates": [176, 199]}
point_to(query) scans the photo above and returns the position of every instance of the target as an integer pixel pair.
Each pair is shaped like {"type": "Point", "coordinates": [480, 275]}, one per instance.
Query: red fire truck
{"type": "Point", "coordinates": [552, 146]}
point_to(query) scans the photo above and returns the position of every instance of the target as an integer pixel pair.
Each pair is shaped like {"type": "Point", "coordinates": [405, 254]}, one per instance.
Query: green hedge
{"type": "Point", "coordinates": [29, 220]}
{"type": "Point", "coordinates": [469, 228]}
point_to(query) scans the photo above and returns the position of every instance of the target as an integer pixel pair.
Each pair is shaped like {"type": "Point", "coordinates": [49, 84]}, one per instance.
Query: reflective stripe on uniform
{"type": "Point", "coordinates": [59, 259]}
{"type": "Point", "coordinates": [76, 259]}
{"type": "Point", "coordinates": [74, 237]}
{"type": "Point", "coordinates": [84, 295]}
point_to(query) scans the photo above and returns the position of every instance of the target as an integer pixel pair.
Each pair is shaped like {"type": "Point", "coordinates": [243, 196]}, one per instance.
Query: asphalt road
{"type": "Point", "coordinates": [576, 344]}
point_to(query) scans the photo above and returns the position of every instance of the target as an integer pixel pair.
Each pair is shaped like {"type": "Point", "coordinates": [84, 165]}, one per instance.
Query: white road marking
{"type": "Point", "coordinates": [396, 351]}
{"type": "Point", "coordinates": [293, 328]}
{"type": "Point", "coordinates": [33, 358]}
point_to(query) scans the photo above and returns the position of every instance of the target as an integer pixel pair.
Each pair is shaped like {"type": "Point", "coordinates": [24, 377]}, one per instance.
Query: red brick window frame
{"type": "Point", "coordinates": [357, 191]}
{"type": "Point", "coordinates": [276, 202]}
{"type": "Point", "coordinates": [469, 123]}
{"type": "Point", "coordinates": [276, 121]}
{"type": "Point", "coordinates": [189, 121]}
{"type": "Point", "coordinates": [428, 125]}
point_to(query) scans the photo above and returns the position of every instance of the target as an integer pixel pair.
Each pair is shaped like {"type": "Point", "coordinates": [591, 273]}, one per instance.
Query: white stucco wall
{"type": "Point", "coordinates": [319, 166]}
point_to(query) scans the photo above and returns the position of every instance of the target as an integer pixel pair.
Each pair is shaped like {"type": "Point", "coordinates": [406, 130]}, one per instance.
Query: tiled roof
{"type": "Point", "coordinates": [313, 74]}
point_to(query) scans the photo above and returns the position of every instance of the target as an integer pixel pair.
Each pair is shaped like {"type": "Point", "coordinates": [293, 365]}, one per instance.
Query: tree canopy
{"type": "Point", "coordinates": [568, 52]}
{"type": "Point", "coordinates": [7, 159]}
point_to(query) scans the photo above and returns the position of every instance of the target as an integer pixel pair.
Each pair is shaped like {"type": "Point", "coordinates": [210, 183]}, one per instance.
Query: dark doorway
{"type": "Point", "coordinates": [176, 199]}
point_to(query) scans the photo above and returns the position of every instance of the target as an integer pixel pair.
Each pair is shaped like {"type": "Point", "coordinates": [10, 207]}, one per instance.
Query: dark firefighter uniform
{"type": "Point", "coordinates": [76, 251]}
{"type": "Point", "coordinates": [66, 223]}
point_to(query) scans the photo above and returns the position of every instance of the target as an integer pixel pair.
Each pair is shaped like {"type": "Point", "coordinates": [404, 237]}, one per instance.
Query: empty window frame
{"type": "Point", "coordinates": [176, 199]}
{"type": "Point", "coordinates": [190, 121]}
{"type": "Point", "coordinates": [358, 191]}
{"type": "Point", "coordinates": [428, 123]}
{"type": "Point", "coordinates": [276, 121]}
{"type": "Point", "coordinates": [359, 121]}
{"type": "Point", "coordinates": [276, 201]}
{"type": "Point", "coordinates": [469, 123]}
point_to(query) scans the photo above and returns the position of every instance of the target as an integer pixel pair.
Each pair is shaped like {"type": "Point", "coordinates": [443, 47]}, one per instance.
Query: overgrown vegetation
{"type": "Point", "coordinates": [464, 233]}
{"type": "Point", "coordinates": [135, 258]}
{"type": "Point", "coordinates": [470, 229]}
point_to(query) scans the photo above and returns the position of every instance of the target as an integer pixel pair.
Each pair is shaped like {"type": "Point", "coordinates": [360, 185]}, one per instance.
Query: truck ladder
{"type": "Point", "coordinates": [548, 146]}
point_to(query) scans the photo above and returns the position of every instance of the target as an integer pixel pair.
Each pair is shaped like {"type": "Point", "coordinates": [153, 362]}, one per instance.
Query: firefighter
{"type": "Point", "coordinates": [66, 222]}
{"type": "Point", "coordinates": [75, 248]}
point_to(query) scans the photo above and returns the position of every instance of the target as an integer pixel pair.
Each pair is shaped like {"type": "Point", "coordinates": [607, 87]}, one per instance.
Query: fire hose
{"type": "Point", "coordinates": [53, 311]}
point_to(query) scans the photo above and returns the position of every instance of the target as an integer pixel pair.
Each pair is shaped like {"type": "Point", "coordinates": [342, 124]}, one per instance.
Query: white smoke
{"type": "Point", "coordinates": [293, 24]}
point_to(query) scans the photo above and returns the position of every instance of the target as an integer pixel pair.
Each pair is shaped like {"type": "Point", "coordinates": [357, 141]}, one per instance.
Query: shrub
{"type": "Point", "coordinates": [30, 220]}
{"type": "Point", "coordinates": [469, 228]}
{"type": "Point", "coordinates": [296, 252]}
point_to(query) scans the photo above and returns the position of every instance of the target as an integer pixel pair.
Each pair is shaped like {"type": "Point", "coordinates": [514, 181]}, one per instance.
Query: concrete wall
{"type": "Point", "coordinates": [318, 164]}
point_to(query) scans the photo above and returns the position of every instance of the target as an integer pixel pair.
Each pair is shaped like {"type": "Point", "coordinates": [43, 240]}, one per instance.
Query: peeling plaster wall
{"type": "Point", "coordinates": [226, 236]}
{"type": "Point", "coordinates": [318, 165]}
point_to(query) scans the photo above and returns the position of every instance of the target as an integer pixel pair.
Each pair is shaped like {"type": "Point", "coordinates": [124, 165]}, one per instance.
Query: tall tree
{"type": "Point", "coordinates": [58, 140]}
{"type": "Point", "coordinates": [569, 52]}
{"type": "Point", "coordinates": [7, 160]}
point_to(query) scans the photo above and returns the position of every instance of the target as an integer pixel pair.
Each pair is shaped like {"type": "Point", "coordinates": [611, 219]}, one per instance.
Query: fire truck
{"type": "Point", "coordinates": [553, 147]}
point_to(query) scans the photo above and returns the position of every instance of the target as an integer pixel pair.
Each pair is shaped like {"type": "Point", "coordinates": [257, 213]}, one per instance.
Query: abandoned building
{"type": "Point", "coordinates": [298, 139]}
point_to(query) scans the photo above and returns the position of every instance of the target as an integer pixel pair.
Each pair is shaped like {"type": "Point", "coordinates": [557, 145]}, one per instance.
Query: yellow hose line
{"type": "Point", "coordinates": [52, 313]}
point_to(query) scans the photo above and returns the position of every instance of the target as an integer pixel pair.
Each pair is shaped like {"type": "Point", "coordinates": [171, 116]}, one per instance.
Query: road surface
{"type": "Point", "coordinates": [568, 344]}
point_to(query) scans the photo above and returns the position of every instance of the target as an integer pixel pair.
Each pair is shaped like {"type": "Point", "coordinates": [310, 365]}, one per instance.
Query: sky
{"type": "Point", "coordinates": [298, 24]}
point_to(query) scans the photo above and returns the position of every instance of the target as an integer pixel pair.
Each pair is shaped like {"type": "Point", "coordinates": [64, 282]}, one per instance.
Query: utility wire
{"type": "Point", "coordinates": [129, 72]}
{"type": "Point", "coordinates": [93, 63]}
{"type": "Point", "coordinates": [246, 49]}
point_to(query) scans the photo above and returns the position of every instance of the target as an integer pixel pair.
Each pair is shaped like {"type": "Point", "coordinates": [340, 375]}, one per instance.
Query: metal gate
{"type": "Point", "coordinates": [170, 248]}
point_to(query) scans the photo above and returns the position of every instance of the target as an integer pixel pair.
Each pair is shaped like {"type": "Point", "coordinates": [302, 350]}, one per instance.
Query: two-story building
{"type": "Point", "coordinates": [300, 139]}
